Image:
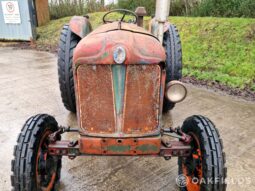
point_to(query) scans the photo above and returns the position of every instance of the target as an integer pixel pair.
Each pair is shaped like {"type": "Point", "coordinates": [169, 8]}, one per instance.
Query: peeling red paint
{"type": "Point", "coordinates": [98, 47]}
{"type": "Point", "coordinates": [80, 26]}
{"type": "Point", "coordinates": [113, 146]}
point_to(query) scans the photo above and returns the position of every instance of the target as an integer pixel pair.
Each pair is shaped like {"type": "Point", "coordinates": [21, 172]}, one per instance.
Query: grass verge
{"type": "Point", "coordinates": [220, 50]}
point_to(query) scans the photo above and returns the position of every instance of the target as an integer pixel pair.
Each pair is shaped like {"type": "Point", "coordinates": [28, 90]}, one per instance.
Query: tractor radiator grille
{"type": "Point", "coordinates": [118, 100]}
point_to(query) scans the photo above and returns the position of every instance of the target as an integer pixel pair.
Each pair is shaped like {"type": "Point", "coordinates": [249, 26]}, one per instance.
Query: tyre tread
{"type": "Point", "coordinates": [67, 43]}
{"type": "Point", "coordinates": [24, 151]}
{"type": "Point", "coordinates": [172, 44]}
{"type": "Point", "coordinates": [212, 149]}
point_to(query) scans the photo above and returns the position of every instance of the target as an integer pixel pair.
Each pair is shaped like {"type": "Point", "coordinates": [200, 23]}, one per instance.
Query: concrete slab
{"type": "Point", "coordinates": [29, 85]}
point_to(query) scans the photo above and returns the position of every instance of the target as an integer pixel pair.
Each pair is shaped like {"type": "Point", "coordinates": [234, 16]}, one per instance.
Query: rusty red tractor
{"type": "Point", "coordinates": [120, 79]}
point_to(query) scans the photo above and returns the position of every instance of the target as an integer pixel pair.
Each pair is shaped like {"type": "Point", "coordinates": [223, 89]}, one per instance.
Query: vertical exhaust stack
{"type": "Point", "coordinates": [162, 12]}
{"type": "Point", "coordinates": [141, 12]}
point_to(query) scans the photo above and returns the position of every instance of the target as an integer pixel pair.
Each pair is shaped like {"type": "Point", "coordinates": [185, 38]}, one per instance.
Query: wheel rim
{"type": "Point", "coordinates": [46, 167]}
{"type": "Point", "coordinates": [192, 167]}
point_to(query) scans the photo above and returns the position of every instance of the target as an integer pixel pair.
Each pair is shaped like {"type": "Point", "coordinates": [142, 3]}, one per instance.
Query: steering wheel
{"type": "Point", "coordinates": [124, 11]}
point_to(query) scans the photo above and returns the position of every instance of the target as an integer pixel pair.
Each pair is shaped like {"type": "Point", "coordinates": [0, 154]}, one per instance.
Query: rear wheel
{"type": "Point", "coordinates": [204, 169]}
{"type": "Point", "coordinates": [67, 44]}
{"type": "Point", "coordinates": [33, 168]}
{"type": "Point", "coordinates": [172, 44]}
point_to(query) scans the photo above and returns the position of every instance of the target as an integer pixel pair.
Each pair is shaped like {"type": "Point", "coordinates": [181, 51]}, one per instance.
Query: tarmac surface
{"type": "Point", "coordinates": [29, 85]}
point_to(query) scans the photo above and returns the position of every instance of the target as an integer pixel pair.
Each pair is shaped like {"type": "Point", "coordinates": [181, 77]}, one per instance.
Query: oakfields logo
{"type": "Point", "coordinates": [182, 181]}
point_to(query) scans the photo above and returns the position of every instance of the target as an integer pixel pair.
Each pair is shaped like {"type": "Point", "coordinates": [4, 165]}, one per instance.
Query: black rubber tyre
{"type": "Point", "coordinates": [172, 44]}
{"type": "Point", "coordinates": [206, 165]}
{"type": "Point", "coordinates": [68, 42]}
{"type": "Point", "coordinates": [32, 168]}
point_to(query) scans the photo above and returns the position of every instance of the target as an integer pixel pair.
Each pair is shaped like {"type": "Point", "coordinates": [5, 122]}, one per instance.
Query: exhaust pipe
{"type": "Point", "coordinates": [162, 13]}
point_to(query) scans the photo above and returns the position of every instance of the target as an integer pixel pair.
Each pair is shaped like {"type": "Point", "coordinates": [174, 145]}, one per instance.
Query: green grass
{"type": "Point", "coordinates": [49, 34]}
{"type": "Point", "coordinates": [216, 49]}
{"type": "Point", "coordinates": [219, 49]}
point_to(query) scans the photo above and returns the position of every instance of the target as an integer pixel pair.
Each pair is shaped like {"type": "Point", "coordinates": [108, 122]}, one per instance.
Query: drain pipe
{"type": "Point", "coordinates": [162, 13]}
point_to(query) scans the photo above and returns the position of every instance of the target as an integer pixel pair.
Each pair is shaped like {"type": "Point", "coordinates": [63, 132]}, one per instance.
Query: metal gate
{"type": "Point", "coordinates": [17, 20]}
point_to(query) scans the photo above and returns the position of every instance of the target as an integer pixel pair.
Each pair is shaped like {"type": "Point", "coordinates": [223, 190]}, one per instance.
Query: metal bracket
{"type": "Point", "coordinates": [65, 148]}
{"type": "Point", "coordinates": [177, 133]}
{"type": "Point", "coordinates": [56, 136]}
{"type": "Point", "coordinates": [175, 148]}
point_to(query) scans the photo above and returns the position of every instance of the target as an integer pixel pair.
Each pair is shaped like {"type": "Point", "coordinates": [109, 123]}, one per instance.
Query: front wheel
{"type": "Point", "coordinates": [204, 169]}
{"type": "Point", "coordinates": [33, 168]}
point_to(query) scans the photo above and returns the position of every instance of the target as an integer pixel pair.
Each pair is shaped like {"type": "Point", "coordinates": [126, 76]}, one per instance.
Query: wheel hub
{"type": "Point", "coordinates": [46, 166]}
{"type": "Point", "coordinates": [192, 167]}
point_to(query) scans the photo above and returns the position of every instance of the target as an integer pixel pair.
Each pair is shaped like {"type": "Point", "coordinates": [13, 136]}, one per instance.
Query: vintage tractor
{"type": "Point", "coordinates": [120, 79]}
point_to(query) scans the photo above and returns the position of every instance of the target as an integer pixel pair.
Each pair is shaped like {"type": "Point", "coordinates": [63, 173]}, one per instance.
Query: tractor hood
{"type": "Point", "coordinates": [98, 47]}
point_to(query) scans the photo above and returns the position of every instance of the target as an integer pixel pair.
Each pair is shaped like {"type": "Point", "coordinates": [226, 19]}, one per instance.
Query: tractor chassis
{"type": "Point", "coordinates": [166, 148]}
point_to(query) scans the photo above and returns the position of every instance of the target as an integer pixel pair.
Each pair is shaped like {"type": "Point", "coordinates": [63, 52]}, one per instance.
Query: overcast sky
{"type": "Point", "coordinates": [106, 1]}
{"type": "Point", "coordinates": [110, 1]}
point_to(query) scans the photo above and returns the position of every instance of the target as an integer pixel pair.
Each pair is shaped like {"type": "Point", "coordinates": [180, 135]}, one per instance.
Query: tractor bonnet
{"type": "Point", "coordinates": [99, 46]}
